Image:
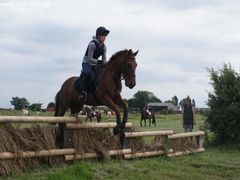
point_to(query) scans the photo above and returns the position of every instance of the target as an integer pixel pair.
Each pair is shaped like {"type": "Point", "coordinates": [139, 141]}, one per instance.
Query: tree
{"type": "Point", "coordinates": [35, 106]}
{"type": "Point", "coordinates": [19, 103]}
{"type": "Point", "coordinates": [175, 100]}
{"type": "Point", "coordinates": [223, 118]}
{"type": "Point", "coordinates": [132, 102]}
{"type": "Point", "coordinates": [142, 97]}
{"type": "Point", "coordinates": [193, 103]}
{"type": "Point", "coordinates": [51, 106]}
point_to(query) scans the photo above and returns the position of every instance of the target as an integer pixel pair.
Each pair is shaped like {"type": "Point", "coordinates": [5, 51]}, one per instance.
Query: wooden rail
{"type": "Point", "coordinates": [148, 133]}
{"type": "Point", "coordinates": [40, 119]}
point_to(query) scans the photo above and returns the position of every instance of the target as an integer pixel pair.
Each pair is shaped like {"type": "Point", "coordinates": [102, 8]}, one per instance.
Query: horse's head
{"type": "Point", "coordinates": [128, 69]}
{"type": "Point", "coordinates": [123, 63]}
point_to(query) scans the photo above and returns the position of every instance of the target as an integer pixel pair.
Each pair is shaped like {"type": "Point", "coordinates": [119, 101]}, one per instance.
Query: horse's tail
{"type": "Point", "coordinates": [57, 104]}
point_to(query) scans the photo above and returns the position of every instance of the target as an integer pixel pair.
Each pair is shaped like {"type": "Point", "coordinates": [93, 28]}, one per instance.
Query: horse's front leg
{"type": "Point", "coordinates": [124, 104]}
{"type": "Point", "coordinates": [109, 102]}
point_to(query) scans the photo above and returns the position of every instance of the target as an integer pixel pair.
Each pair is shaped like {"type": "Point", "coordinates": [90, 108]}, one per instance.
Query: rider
{"type": "Point", "coordinates": [95, 49]}
{"type": "Point", "coordinates": [146, 108]}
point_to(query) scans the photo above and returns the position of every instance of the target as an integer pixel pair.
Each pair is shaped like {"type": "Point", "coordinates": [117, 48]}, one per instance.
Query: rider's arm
{"type": "Point", "coordinates": [91, 48]}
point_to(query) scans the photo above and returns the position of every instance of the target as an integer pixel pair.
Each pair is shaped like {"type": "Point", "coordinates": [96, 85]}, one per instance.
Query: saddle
{"type": "Point", "coordinates": [86, 83]}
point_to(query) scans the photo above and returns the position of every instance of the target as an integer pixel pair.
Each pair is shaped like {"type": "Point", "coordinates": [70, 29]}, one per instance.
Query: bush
{"type": "Point", "coordinates": [223, 117]}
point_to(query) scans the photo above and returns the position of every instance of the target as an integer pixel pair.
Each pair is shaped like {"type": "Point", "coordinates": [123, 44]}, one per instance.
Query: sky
{"type": "Point", "coordinates": [42, 43]}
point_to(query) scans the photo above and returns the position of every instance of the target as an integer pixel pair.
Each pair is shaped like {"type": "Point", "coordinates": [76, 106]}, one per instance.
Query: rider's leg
{"type": "Point", "coordinates": [86, 72]}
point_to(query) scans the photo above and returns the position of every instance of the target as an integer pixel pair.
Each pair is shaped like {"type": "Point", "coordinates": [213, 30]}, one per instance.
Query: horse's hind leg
{"type": "Point", "coordinates": [149, 122]}
{"type": "Point", "coordinates": [75, 108]}
{"type": "Point", "coordinates": [99, 118]}
{"type": "Point", "coordinates": [61, 126]}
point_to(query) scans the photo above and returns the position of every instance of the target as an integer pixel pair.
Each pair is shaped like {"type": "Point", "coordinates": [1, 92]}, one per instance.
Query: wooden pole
{"type": "Point", "coordinates": [147, 133]}
{"type": "Point", "coordinates": [183, 135]}
{"type": "Point", "coordinates": [40, 119]}
{"type": "Point", "coordinates": [186, 152]}
{"type": "Point", "coordinates": [146, 154]}
{"type": "Point", "coordinates": [94, 125]}
{"type": "Point", "coordinates": [41, 153]}
{"type": "Point", "coordinates": [95, 155]}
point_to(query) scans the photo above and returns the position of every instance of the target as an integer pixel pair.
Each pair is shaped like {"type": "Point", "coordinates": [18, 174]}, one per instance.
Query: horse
{"type": "Point", "coordinates": [25, 112]}
{"type": "Point", "coordinates": [108, 86]}
{"type": "Point", "coordinates": [150, 115]}
{"type": "Point", "coordinates": [91, 114]}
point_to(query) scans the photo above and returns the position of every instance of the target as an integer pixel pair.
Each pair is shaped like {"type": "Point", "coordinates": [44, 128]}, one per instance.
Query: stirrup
{"type": "Point", "coordinates": [83, 96]}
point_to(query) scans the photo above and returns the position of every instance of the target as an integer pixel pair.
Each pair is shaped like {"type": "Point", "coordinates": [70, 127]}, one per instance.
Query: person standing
{"type": "Point", "coordinates": [188, 115]}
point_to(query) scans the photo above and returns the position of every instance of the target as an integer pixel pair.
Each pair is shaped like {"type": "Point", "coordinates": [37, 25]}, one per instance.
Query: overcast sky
{"type": "Point", "coordinates": [42, 43]}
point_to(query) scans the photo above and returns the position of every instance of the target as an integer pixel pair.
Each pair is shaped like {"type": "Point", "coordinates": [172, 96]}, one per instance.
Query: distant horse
{"type": "Point", "coordinates": [91, 114]}
{"type": "Point", "coordinates": [121, 65]}
{"type": "Point", "coordinates": [150, 115]}
{"type": "Point", "coordinates": [25, 112]}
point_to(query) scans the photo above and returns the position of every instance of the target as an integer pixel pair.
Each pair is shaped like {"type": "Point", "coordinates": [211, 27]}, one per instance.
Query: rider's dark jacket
{"type": "Point", "coordinates": [94, 51]}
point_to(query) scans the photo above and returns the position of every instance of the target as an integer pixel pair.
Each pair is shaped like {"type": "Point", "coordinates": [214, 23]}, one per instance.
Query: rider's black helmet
{"type": "Point", "coordinates": [102, 31]}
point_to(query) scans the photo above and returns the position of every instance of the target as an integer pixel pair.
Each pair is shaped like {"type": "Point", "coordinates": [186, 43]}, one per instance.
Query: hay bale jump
{"type": "Point", "coordinates": [186, 143]}
{"type": "Point", "coordinates": [22, 147]}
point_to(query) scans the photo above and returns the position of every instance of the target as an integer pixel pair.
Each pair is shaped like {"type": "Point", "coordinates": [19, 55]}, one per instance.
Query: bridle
{"type": "Point", "coordinates": [127, 74]}
{"type": "Point", "coordinates": [123, 75]}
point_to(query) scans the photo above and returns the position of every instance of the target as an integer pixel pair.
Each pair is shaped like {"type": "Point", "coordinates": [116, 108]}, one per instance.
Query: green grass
{"type": "Point", "coordinates": [221, 162]}
{"type": "Point", "coordinates": [19, 113]}
{"type": "Point", "coordinates": [216, 163]}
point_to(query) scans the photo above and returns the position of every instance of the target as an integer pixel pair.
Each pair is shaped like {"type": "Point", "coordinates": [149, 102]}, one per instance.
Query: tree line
{"type": "Point", "coordinates": [138, 101]}
{"type": "Point", "coordinates": [223, 116]}
{"type": "Point", "coordinates": [22, 103]}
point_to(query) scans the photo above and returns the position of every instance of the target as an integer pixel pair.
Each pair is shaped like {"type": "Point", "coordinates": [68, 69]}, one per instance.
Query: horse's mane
{"type": "Point", "coordinates": [119, 53]}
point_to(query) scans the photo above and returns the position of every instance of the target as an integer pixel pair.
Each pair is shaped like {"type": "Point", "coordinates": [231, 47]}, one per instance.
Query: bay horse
{"type": "Point", "coordinates": [92, 113]}
{"type": "Point", "coordinates": [121, 65]}
{"type": "Point", "coordinates": [150, 115]}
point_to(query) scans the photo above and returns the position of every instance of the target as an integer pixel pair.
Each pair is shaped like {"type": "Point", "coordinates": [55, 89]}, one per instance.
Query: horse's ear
{"type": "Point", "coordinates": [135, 53]}
{"type": "Point", "coordinates": [130, 52]}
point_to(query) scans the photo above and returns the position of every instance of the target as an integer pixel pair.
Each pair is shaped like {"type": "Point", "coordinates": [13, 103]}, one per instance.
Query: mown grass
{"type": "Point", "coordinates": [216, 163]}
{"type": "Point", "coordinates": [221, 162]}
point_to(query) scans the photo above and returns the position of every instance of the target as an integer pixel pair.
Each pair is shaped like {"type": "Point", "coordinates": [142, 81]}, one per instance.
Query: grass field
{"type": "Point", "coordinates": [215, 163]}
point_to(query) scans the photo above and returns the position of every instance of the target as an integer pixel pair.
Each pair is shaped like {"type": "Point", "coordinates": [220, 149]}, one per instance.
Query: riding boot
{"type": "Point", "coordinates": [83, 92]}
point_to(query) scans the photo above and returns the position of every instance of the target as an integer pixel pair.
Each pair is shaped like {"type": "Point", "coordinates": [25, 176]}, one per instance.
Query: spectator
{"type": "Point", "coordinates": [188, 115]}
